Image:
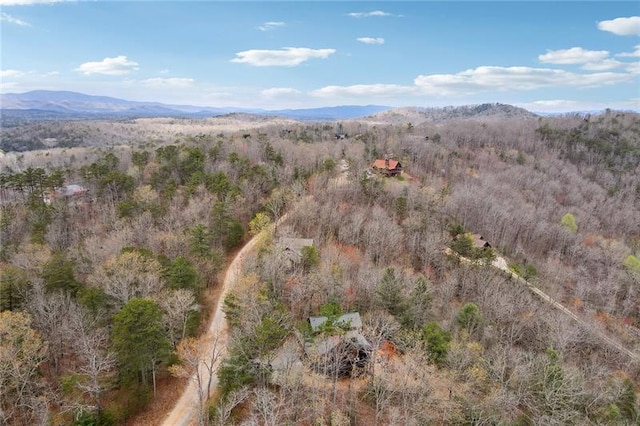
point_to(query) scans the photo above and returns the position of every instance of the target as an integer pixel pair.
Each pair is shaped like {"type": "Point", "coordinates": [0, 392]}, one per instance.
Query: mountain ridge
{"type": "Point", "coordinates": [69, 105]}
{"type": "Point", "coordinates": [75, 103]}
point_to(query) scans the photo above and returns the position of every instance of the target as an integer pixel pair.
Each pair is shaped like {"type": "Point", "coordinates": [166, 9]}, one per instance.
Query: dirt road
{"type": "Point", "coordinates": [500, 263]}
{"type": "Point", "coordinates": [184, 412]}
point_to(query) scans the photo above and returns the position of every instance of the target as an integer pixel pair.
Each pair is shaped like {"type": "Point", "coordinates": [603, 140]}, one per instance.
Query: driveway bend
{"type": "Point", "coordinates": [184, 413]}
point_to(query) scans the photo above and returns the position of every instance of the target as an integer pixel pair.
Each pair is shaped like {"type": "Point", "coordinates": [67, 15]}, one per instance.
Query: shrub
{"type": "Point", "coordinates": [469, 317]}
{"type": "Point", "coordinates": [569, 222]}
{"type": "Point", "coordinates": [632, 264]}
{"type": "Point", "coordinates": [524, 270]}
{"type": "Point", "coordinates": [436, 341]}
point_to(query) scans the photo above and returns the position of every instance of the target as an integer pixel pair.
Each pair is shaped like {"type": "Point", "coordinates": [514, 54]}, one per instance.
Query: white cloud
{"type": "Point", "coordinates": [634, 68]}
{"type": "Point", "coordinates": [280, 91]}
{"type": "Point", "coordinates": [604, 65]}
{"type": "Point", "coordinates": [363, 90]}
{"type": "Point", "coordinates": [168, 82]}
{"type": "Point", "coordinates": [483, 79]}
{"type": "Point", "coordinates": [621, 26]}
{"type": "Point", "coordinates": [369, 14]}
{"type": "Point", "coordinates": [371, 40]}
{"type": "Point", "coordinates": [492, 78]}
{"type": "Point", "coordinates": [10, 74]}
{"type": "Point", "coordinates": [26, 2]}
{"type": "Point", "coordinates": [551, 105]}
{"type": "Point", "coordinates": [119, 65]}
{"type": "Point", "coordinates": [8, 85]}
{"type": "Point", "coordinates": [271, 25]}
{"type": "Point", "coordinates": [13, 20]}
{"type": "Point", "coordinates": [566, 105]}
{"type": "Point", "coordinates": [575, 55]}
{"type": "Point", "coordinates": [554, 102]}
{"type": "Point", "coordinates": [634, 54]}
{"type": "Point", "coordinates": [286, 57]}
{"type": "Point", "coordinates": [216, 96]}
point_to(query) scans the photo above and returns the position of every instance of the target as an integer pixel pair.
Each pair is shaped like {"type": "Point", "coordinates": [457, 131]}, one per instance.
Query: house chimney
{"type": "Point", "coordinates": [386, 163]}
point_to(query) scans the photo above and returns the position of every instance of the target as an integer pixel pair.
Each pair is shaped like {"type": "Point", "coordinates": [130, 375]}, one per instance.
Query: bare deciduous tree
{"type": "Point", "coordinates": [177, 305]}
{"type": "Point", "coordinates": [199, 359]}
{"type": "Point", "coordinates": [225, 407]}
{"type": "Point", "coordinates": [49, 313]}
{"type": "Point", "coordinates": [21, 352]}
{"type": "Point", "coordinates": [129, 275]}
{"type": "Point", "coordinates": [96, 364]}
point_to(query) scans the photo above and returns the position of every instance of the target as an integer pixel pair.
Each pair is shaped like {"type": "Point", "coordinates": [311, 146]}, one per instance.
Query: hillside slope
{"type": "Point", "coordinates": [166, 201]}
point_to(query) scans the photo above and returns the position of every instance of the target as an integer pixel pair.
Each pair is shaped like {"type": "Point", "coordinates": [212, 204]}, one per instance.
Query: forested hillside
{"type": "Point", "coordinates": [100, 282]}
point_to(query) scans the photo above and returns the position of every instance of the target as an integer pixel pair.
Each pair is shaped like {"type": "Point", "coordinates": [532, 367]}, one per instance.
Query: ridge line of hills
{"type": "Point", "coordinates": [65, 105]}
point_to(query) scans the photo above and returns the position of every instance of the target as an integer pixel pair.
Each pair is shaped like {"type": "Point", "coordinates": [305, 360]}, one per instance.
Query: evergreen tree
{"type": "Point", "coordinates": [200, 241]}
{"type": "Point", "coordinates": [58, 274]}
{"type": "Point", "coordinates": [182, 274]}
{"type": "Point", "coordinates": [139, 339]}
{"type": "Point", "coordinates": [13, 287]}
{"type": "Point", "coordinates": [389, 293]}
{"type": "Point", "coordinates": [419, 302]}
{"type": "Point", "coordinates": [469, 317]}
{"type": "Point", "coordinates": [436, 341]}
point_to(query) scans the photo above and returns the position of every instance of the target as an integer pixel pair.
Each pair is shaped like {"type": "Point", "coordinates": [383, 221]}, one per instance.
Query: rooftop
{"type": "Point", "coordinates": [352, 319]}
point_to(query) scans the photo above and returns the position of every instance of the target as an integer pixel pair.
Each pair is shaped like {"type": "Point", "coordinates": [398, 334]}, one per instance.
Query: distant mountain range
{"type": "Point", "coordinates": [45, 104]}
{"type": "Point", "coordinates": [17, 108]}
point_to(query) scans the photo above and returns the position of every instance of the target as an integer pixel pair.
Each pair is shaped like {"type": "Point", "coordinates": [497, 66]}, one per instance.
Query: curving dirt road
{"type": "Point", "coordinates": [184, 412]}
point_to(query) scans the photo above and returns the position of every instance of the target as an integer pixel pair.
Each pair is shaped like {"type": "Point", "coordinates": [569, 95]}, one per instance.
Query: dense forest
{"type": "Point", "coordinates": [112, 254]}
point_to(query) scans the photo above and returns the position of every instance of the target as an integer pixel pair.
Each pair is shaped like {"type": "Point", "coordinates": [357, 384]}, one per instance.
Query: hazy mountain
{"type": "Point", "coordinates": [331, 113]}
{"type": "Point", "coordinates": [79, 103]}
{"type": "Point", "coordinates": [56, 105]}
{"type": "Point", "coordinates": [71, 105]}
{"type": "Point", "coordinates": [417, 115]}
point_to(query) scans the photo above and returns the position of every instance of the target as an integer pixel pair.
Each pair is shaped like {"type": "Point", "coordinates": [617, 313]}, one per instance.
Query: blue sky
{"type": "Point", "coordinates": [544, 56]}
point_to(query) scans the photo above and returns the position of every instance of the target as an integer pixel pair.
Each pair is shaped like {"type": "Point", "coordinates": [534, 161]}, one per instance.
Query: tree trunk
{"type": "Point", "coordinates": [153, 375]}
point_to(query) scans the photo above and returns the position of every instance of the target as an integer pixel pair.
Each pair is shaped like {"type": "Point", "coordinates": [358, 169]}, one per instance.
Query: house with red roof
{"type": "Point", "coordinates": [386, 167]}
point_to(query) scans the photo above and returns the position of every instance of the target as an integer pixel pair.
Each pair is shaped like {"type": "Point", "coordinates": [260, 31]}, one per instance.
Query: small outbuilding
{"type": "Point", "coordinates": [480, 242]}
{"type": "Point", "coordinates": [292, 248]}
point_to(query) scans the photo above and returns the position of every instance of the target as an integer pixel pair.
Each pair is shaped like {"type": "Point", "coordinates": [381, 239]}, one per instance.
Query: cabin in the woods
{"type": "Point", "coordinates": [292, 248]}
{"type": "Point", "coordinates": [387, 167]}
{"type": "Point", "coordinates": [350, 321]}
{"type": "Point", "coordinates": [480, 242]}
{"type": "Point", "coordinates": [341, 354]}
{"type": "Point", "coordinates": [73, 192]}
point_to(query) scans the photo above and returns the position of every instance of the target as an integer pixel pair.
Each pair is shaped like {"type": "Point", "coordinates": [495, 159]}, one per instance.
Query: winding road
{"type": "Point", "coordinates": [184, 413]}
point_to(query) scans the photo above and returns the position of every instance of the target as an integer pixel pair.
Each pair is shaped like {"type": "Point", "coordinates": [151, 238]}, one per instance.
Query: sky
{"type": "Point", "coordinates": [545, 56]}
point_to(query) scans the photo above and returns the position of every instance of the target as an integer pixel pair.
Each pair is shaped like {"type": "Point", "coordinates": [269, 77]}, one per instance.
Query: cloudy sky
{"type": "Point", "coordinates": [542, 55]}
